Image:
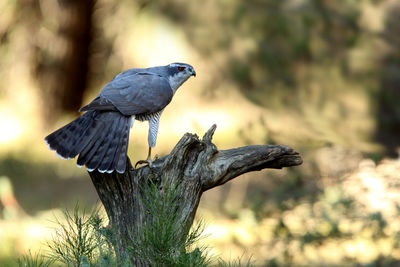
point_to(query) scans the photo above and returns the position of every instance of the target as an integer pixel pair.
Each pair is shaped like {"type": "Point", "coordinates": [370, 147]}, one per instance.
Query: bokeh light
{"type": "Point", "coordinates": [319, 76]}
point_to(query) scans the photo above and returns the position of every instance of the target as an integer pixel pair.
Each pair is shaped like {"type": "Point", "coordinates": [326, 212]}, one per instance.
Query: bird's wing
{"type": "Point", "coordinates": [138, 93]}
{"type": "Point", "coordinates": [99, 103]}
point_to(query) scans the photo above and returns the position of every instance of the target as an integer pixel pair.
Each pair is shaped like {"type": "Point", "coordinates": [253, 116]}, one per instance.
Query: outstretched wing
{"type": "Point", "coordinates": [138, 93]}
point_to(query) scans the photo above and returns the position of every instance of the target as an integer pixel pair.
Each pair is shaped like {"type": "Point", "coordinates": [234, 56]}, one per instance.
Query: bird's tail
{"type": "Point", "coordinates": [100, 138]}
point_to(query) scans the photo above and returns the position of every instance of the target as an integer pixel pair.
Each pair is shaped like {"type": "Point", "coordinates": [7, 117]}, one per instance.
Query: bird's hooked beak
{"type": "Point", "coordinates": [193, 73]}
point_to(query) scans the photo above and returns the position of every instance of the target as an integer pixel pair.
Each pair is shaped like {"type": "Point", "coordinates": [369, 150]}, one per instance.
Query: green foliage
{"type": "Point", "coordinates": [162, 239]}
{"type": "Point", "coordinates": [78, 240]}
{"type": "Point", "coordinates": [34, 260]}
{"type": "Point", "coordinates": [81, 240]}
{"type": "Point", "coordinates": [238, 262]}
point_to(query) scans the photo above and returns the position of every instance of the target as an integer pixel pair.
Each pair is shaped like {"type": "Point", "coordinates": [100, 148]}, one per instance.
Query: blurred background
{"type": "Point", "coordinates": [320, 76]}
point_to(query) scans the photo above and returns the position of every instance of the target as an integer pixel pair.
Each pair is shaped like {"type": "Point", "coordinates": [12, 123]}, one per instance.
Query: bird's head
{"type": "Point", "coordinates": [178, 73]}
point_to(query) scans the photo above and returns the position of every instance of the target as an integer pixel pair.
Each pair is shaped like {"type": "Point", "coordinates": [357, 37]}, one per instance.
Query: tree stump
{"type": "Point", "coordinates": [195, 166]}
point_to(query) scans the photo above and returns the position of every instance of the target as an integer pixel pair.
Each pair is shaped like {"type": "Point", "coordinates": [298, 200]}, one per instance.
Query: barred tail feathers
{"type": "Point", "coordinates": [113, 153]}
{"type": "Point", "coordinates": [65, 138]}
{"type": "Point", "coordinates": [100, 138]}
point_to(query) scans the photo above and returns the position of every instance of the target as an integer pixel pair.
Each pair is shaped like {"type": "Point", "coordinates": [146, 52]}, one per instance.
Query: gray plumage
{"type": "Point", "coordinates": [101, 135]}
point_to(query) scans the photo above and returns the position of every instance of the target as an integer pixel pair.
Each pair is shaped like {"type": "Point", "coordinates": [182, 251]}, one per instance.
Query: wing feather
{"type": "Point", "coordinates": [139, 93]}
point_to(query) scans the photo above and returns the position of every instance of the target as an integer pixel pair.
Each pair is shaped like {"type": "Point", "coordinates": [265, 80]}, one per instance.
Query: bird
{"type": "Point", "coordinates": [100, 136]}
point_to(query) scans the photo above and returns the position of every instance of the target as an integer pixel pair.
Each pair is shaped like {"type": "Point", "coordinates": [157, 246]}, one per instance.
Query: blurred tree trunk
{"type": "Point", "coordinates": [195, 166]}
{"type": "Point", "coordinates": [388, 113]}
{"type": "Point", "coordinates": [64, 69]}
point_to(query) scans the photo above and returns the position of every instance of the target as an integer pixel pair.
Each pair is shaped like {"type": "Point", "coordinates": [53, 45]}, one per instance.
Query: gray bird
{"type": "Point", "coordinates": [101, 135]}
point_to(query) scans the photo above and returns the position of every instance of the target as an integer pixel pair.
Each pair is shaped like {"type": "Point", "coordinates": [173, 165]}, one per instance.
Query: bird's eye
{"type": "Point", "coordinates": [181, 68]}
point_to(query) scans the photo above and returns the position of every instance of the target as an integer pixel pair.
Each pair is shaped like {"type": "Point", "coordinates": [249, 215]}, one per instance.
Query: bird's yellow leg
{"type": "Point", "coordinates": [148, 161]}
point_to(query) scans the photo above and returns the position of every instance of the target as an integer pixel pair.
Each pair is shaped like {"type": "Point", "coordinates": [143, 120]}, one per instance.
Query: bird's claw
{"type": "Point", "coordinates": [145, 161]}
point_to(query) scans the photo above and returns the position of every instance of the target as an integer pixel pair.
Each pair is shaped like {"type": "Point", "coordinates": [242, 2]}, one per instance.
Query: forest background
{"type": "Point", "coordinates": [320, 76]}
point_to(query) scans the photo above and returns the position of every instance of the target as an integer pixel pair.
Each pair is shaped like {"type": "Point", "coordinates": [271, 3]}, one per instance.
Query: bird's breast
{"type": "Point", "coordinates": [146, 117]}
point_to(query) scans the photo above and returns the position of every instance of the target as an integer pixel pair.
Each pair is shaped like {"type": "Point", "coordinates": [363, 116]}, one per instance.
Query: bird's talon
{"type": "Point", "coordinates": [146, 161]}
{"type": "Point", "coordinates": [140, 162]}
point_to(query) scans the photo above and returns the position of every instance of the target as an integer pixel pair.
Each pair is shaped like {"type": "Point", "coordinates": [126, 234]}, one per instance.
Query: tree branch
{"type": "Point", "coordinates": [195, 166]}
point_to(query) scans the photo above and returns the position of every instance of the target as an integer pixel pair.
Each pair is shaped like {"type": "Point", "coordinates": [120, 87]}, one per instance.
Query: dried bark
{"type": "Point", "coordinates": [196, 166]}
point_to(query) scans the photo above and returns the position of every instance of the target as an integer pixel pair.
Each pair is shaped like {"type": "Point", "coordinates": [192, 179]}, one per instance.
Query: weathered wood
{"type": "Point", "coordinates": [195, 165]}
